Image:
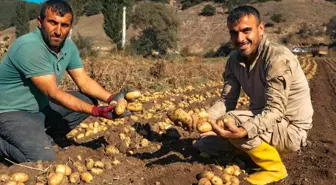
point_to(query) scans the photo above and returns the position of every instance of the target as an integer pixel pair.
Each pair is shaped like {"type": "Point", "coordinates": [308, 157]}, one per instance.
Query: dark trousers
{"type": "Point", "coordinates": [28, 136]}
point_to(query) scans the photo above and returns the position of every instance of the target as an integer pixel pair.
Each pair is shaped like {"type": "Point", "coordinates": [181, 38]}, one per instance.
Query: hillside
{"type": "Point", "coordinates": [200, 34]}
{"type": "Point", "coordinates": [7, 11]}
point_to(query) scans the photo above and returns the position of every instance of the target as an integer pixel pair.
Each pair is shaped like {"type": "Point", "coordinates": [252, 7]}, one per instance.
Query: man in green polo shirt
{"type": "Point", "coordinates": [31, 102]}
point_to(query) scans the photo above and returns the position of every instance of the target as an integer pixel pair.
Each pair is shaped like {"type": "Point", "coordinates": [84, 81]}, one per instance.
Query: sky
{"type": "Point", "coordinates": [35, 1]}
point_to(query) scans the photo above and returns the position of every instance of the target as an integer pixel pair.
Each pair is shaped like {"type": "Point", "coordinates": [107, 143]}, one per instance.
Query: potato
{"type": "Point", "coordinates": [66, 170]}
{"type": "Point", "coordinates": [220, 123]}
{"type": "Point", "coordinates": [99, 164]}
{"type": "Point", "coordinates": [205, 174]}
{"type": "Point", "coordinates": [131, 96]}
{"type": "Point", "coordinates": [86, 177]}
{"type": "Point", "coordinates": [204, 127]}
{"type": "Point", "coordinates": [112, 150]}
{"type": "Point", "coordinates": [204, 181]}
{"type": "Point", "coordinates": [225, 177]}
{"type": "Point", "coordinates": [97, 171]}
{"type": "Point", "coordinates": [116, 162]}
{"type": "Point", "coordinates": [79, 166]}
{"type": "Point", "coordinates": [120, 107]}
{"type": "Point", "coordinates": [180, 115]}
{"type": "Point", "coordinates": [184, 117]}
{"type": "Point", "coordinates": [74, 177]}
{"type": "Point", "coordinates": [135, 106]}
{"type": "Point", "coordinates": [89, 133]}
{"type": "Point", "coordinates": [172, 116]}
{"type": "Point", "coordinates": [20, 177]}
{"type": "Point", "coordinates": [216, 181]}
{"type": "Point", "coordinates": [80, 136]}
{"type": "Point", "coordinates": [236, 172]}
{"type": "Point", "coordinates": [56, 178]}
{"type": "Point", "coordinates": [203, 115]}
{"type": "Point", "coordinates": [228, 118]}
{"type": "Point", "coordinates": [144, 142]}
{"type": "Point", "coordinates": [11, 182]}
{"type": "Point", "coordinates": [229, 170]}
{"type": "Point", "coordinates": [234, 181]}
{"type": "Point", "coordinates": [89, 163]}
{"type": "Point", "coordinates": [4, 177]}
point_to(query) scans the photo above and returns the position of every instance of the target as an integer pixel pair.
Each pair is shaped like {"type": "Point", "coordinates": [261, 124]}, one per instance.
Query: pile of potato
{"type": "Point", "coordinates": [86, 131]}
{"type": "Point", "coordinates": [17, 178]}
{"type": "Point", "coordinates": [200, 116]}
{"type": "Point", "coordinates": [228, 176]}
{"type": "Point", "coordinates": [124, 104]}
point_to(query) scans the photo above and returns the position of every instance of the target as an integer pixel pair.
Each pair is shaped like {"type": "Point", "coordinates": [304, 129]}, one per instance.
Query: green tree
{"type": "Point", "coordinates": [93, 7]}
{"type": "Point", "coordinates": [21, 19]}
{"type": "Point", "coordinates": [208, 10]}
{"type": "Point", "coordinates": [33, 12]}
{"type": "Point", "coordinates": [113, 13]}
{"type": "Point", "coordinates": [77, 8]}
{"type": "Point", "coordinates": [331, 29]}
{"type": "Point", "coordinates": [159, 24]}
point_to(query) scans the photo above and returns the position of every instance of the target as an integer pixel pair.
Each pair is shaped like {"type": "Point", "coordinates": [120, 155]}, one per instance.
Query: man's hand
{"type": "Point", "coordinates": [103, 111]}
{"type": "Point", "coordinates": [230, 130]}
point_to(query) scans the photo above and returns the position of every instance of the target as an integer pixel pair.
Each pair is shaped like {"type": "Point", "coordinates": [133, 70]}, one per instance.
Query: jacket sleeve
{"type": "Point", "coordinates": [278, 82]}
{"type": "Point", "coordinates": [229, 96]}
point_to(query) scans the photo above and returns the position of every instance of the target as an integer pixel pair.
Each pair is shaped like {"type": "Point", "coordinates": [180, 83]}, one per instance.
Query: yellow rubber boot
{"type": "Point", "coordinates": [268, 158]}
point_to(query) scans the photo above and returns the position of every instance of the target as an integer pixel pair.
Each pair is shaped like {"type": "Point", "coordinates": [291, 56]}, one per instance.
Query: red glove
{"type": "Point", "coordinates": [103, 111]}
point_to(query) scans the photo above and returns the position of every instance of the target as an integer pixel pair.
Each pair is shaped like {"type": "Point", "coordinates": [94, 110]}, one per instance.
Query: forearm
{"type": "Point", "coordinates": [93, 89]}
{"type": "Point", "coordinates": [71, 102]}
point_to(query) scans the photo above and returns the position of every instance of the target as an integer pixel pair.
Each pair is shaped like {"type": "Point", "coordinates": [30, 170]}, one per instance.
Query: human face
{"type": "Point", "coordinates": [246, 35]}
{"type": "Point", "coordinates": [55, 28]}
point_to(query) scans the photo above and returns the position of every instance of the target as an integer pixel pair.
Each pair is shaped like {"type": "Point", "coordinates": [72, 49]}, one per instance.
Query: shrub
{"type": "Point", "coordinates": [208, 10]}
{"type": "Point", "coordinates": [21, 19]}
{"type": "Point", "coordinates": [331, 29]}
{"type": "Point", "coordinates": [277, 17]}
{"type": "Point", "coordinates": [145, 43]}
{"type": "Point", "coordinates": [159, 25]}
{"type": "Point", "coordinates": [161, 1]}
{"type": "Point", "coordinates": [85, 46]}
{"type": "Point", "coordinates": [189, 3]}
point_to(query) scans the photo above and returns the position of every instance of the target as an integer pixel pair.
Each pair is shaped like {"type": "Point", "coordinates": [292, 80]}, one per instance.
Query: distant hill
{"type": "Point", "coordinates": [304, 24]}
{"type": "Point", "coordinates": [7, 11]}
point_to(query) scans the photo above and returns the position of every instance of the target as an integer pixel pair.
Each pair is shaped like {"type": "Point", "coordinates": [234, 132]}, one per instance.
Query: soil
{"type": "Point", "coordinates": [170, 159]}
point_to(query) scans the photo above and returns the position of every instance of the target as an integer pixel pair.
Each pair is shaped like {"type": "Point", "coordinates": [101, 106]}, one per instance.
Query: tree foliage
{"type": "Point", "coordinates": [331, 29]}
{"type": "Point", "coordinates": [208, 10]}
{"type": "Point", "coordinates": [159, 25]}
{"type": "Point", "coordinates": [77, 8]}
{"type": "Point", "coordinates": [161, 1]}
{"type": "Point", "coordinates": [93, 7]}
{"type": "Point", "coordinates": [21, 20]}
{"type": "Point", "coordinates": [113, 13]}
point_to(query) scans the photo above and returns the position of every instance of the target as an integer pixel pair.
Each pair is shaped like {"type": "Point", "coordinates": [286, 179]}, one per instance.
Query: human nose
{"type": "Point", "coordinates": [58, 31]}
{"type": "Point", "coordinates": [240, 37]}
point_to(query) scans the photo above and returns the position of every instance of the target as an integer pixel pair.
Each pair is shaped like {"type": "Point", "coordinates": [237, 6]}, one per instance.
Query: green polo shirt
{"type": "Point", "coordinates": [27, 57]}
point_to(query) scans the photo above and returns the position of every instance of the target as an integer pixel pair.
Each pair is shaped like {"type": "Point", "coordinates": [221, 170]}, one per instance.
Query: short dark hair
{"type": "Point", "coordinates": [242, 11]}
{"type": "Point", "coordinates": [59, 6]}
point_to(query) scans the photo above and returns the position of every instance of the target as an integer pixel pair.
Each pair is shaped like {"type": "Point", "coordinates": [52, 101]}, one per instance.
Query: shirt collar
{"type": "Point", "coordinates": [260, 49]}
{"type": "Point", "coordinates": [63, 50]}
